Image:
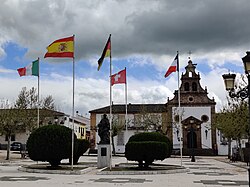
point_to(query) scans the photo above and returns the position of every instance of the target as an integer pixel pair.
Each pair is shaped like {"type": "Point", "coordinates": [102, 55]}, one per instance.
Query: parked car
{"type": "Point", "coordinates": [16, 146]}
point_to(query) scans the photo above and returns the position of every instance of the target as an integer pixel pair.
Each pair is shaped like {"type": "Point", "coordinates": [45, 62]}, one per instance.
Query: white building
{"type": "Point", "coordinates": [196, 115]}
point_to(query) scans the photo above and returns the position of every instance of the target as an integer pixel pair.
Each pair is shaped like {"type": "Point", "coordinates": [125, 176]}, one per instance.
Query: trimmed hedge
{"type": "Point", "coordinates": [80, 147]}
{"type": "Point", "coordinates": [50, 143]}
{"type": "Point", "coordinates": [148, 147]}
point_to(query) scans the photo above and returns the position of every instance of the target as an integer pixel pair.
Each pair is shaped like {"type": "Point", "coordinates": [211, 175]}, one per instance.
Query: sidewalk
{"type": "Point", "coordinates": [14, 156]}
{"type": "Point", "coordinates": [205, 172]}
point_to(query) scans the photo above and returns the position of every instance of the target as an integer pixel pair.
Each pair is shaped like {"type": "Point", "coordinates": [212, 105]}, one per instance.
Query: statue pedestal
{"type": "Point", "coordinates": [103, 152]}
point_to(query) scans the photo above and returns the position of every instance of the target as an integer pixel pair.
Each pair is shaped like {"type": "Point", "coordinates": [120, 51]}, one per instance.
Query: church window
{"type": "Point", "coordinates": [186, 86]}
{"type": "Point", "coordinates": [190, 99]}
{"type": "Point", "coordinates": [204, 118]}
{"type": "Point", "coordinates": [194, 86]}
{"type": "Point", "coordinates": [176, 118]}
{"type": "Point", "coordinates": [190, 74]}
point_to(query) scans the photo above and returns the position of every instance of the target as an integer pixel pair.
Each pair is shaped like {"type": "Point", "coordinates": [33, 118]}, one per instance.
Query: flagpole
{"type": "Point", "coordinates": [110, 111]}
{"type": "Point", "coordinates": [179, 107]}
{"type": "Point", "coordinates": [73, 110]}
{"type": "Point", "coordinates": [38, 91]}
{"type": "Point", "coordinates": [126, 102]}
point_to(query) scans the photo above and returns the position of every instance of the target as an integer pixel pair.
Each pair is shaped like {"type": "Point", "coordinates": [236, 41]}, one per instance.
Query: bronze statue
{"type": "Point", "coordinates": [103, 130]}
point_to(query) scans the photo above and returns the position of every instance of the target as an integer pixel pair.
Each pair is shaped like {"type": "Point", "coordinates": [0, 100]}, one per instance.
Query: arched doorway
{"type": "Point", "coordinates": [191, 133]}
{"type": "Point", "coordinates": [191, 139]}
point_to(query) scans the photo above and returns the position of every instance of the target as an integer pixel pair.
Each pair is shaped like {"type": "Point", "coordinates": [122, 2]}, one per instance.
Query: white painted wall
{"type": "Point", "coordinates": [197, 112]}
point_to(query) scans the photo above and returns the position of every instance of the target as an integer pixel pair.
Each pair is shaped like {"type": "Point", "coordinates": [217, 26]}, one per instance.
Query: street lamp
{"type": "Point", "coordinates": [229, 80]}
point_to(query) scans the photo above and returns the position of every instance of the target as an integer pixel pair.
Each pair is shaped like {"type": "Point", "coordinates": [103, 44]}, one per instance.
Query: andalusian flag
{"type": "Point", "coordinates": [62, 48]}
{"type": "Point", "coordinates": [31, 69]}
{"type": "Point", "coordinates": [106, 52]}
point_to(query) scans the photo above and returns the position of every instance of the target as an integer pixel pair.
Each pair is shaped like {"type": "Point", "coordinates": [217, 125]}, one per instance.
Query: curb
{"type": "Point", "coordinates": [184, 170]}
{"type": "Point", "coordinates": [45, 171]}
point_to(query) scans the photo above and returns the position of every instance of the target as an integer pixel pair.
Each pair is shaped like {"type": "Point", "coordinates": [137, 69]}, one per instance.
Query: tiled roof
{"type": "Point", "coordinates": [132, 108]}
{"type": "Point", "coordinates": [42, 111]}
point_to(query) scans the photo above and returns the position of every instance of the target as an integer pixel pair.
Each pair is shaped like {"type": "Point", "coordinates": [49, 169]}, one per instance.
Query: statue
{"type": "Point", "coordinates": [103, 130]}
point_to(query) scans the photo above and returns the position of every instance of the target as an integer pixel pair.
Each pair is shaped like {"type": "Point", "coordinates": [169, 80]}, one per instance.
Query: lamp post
{"type": "Point", "coordinates": [229, 80]}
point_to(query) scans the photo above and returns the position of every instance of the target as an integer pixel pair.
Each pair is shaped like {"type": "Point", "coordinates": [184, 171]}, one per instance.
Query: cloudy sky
{"type": "Point", "coordinates": [145, 37]}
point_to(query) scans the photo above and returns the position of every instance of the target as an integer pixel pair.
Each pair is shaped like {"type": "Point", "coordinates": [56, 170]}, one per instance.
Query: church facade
{"type": "Point", "coordinates": [194, 118]}
{"type": "Point", "coordinates": [196, 115]}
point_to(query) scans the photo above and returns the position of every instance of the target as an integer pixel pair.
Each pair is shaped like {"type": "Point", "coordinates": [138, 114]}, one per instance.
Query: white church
{"type": "Point", "coordinates": [196, 119]}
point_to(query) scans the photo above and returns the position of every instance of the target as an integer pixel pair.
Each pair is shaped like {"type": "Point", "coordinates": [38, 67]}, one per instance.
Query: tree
{"type": "Point", "coordinates": [148, 121]}
{"type": "Point", "coordinates": [48, 103]}
{"type": "Point", "coordinates": [116, 128]}
{"type": "Point", "coordinates": [13, 121]}
{"type": "Point", "coordinates": [50, 143]}
{"type": "Point", "coordinates": [22, 116]}
{"type": "Point", "coordinates": [147, 147]}
{"type": "Point", "coordinates": [21, 101]}
{"type": "Point", "coordinates": [28, 99]}
{"type": "Point", "coordinates": [232, 121]}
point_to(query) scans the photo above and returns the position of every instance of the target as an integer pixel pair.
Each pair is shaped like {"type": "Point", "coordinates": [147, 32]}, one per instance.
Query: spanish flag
{"type": "Point", "coordinates": [61, 48]}
{"type": "Point", "coordinates": [106, 52]}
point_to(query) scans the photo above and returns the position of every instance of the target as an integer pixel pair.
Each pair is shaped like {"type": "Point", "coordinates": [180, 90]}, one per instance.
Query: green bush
{"type": "Point", "coordinates": [80, 147]}
{"type": "Point", "coordinates": [148, 147]}
{"type": "Point", "coordinates": [50, 143]}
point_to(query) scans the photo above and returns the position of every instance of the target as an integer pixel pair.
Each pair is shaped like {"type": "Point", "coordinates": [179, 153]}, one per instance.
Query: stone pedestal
{"type": "Point", "coordinates": [103, 159]}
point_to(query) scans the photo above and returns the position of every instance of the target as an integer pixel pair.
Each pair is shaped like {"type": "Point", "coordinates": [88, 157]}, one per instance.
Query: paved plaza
{"type": "Point", "coordinates": [206, 171]}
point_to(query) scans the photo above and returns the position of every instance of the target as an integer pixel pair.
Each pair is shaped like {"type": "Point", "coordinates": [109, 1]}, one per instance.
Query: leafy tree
{"type": "Point", "coordinates": [50, 143]}
{"type": "Point", "coordinates": [80, 147]}
{"type": "Point", "coordinates": [233, 121]}
{"type": "Point", "coordinates": [147, 147]}
{"type": "Point", "coordinates": [13, 121]}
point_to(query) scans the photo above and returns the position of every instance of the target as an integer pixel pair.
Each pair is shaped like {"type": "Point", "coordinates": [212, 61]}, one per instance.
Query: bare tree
{"type": "Point", "coordinates": [48, 103]}
{"type": "Point", "coordinates": [116, 127]}
{"type": "Point", "coordinates": [148, 121]}
{"type": "Point", "coordinates": [28, 99]}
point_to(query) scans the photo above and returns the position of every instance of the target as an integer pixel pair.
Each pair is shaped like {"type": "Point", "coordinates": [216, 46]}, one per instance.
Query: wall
{"type": "Point", "coordinates": [197, 112]}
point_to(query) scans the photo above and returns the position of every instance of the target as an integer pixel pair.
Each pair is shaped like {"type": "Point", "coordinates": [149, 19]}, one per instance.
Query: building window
{"type": "Point", "coordinates": [194, 86]}
{"type": "Point", "coordinates": [204, 118]}
{"type": "Point", "coordinates": [186, 86]}
{"type": "Point", "coordinates": [190, 99]}
{"type": "Point", "coordinates": [190, 74]}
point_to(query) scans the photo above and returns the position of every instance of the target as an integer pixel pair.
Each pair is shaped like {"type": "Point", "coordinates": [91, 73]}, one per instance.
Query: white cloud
{"type": "Point", "coordinates": [145, 33]}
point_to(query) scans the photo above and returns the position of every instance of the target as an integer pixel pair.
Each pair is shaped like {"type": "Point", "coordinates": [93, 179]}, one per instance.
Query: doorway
{"type": "Point", "coordinates": [192, 139]}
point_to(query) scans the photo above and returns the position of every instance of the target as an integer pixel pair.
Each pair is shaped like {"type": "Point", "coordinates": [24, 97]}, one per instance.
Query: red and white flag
{"type": "Point", "coordinates": [119, 78]}
{"type": "Point", "coordinates": [173, 67]}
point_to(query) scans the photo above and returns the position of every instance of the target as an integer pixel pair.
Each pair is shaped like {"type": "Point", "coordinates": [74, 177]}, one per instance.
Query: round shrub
{"type": "Point", "coordinates": [80, 147]}
{"type": "Point", "coordinates": [148, 147]}
{"type": "Point", "coordinates": [50, 143]}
